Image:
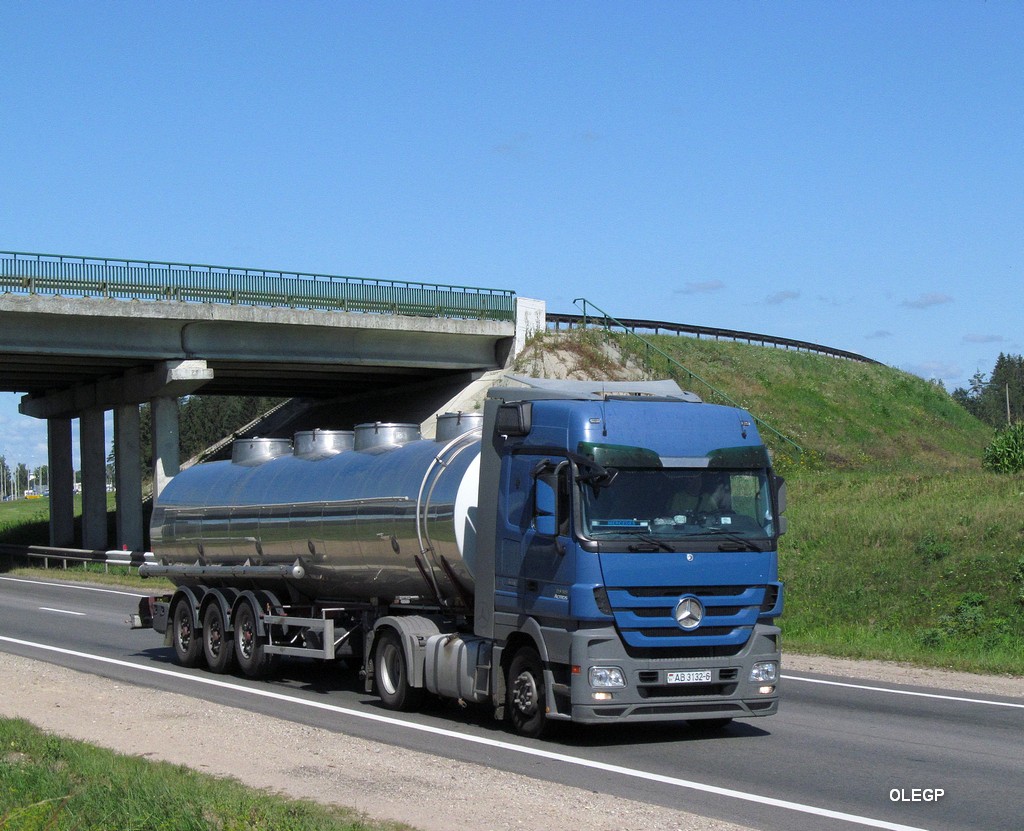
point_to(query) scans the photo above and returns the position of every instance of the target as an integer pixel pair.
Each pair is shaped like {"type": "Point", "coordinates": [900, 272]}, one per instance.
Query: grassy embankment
{"type": "Point", "coordinates": [900, 547]}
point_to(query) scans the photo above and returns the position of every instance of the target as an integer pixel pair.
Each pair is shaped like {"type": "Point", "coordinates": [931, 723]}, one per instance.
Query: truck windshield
{"type": "Point", "coordinates": [663, 505]}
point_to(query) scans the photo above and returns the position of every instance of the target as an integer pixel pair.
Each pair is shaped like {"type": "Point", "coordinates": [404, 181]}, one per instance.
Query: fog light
{"type": "Point", "coordinates": [764, 672]}
{"type": "Point", "coordinates": [602, 696]}
{"type": "Point", "coordinates": [766, 690]}
{"type": "Point", "coordinates": [607, 677]}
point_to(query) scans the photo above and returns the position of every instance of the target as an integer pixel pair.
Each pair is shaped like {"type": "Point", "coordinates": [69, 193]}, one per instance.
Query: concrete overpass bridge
{"type": "Point", "coordinates": [80, 336]}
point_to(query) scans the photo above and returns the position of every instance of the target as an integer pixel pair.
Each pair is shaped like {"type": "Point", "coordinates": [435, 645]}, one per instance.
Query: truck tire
{"type": "Point", "coordinates": [526, 694]}
{"type": "Point", "coordinates": [252, 659]}
{"type": "Point", "coordinates": [218, 643]}
{"type": "Point", "coordinates": [188, 647]}
{"type": "Point", "coordinates": [391, 672]}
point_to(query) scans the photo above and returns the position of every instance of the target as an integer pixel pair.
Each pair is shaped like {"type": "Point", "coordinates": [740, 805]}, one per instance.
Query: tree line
{"type": "Point", "coordinates": [995, 399]}
{"type": "Point", "coordinates": [204, 420]}
{"type": "Point", "coordinates": [14, 480]}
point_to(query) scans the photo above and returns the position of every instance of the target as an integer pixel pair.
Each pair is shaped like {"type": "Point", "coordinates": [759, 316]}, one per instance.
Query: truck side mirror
{"type": "Point", "coordinates": [780, 500]}
{"type": "Point", "coordinates": [780, 493]}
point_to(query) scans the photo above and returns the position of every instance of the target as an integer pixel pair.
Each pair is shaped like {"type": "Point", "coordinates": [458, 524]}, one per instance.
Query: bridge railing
{"type": "Point", "coordinates": [57, 274]}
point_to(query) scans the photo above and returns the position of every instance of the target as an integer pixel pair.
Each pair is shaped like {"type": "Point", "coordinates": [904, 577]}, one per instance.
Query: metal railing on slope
{"type": "Point", "coordinates": [606, 321]}
{"type": "Point", "coordinates": [556, 319]}
{"type": "Point", "coordinates": [58, 274]}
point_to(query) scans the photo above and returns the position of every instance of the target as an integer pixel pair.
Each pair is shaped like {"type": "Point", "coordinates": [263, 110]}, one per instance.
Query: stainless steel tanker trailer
{"type": "Point", "coordinates": [593, 552]}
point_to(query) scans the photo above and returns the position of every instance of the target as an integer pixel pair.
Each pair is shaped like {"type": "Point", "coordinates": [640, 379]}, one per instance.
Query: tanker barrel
{"type": "Point", "coordinates": [317, 444]}
{"type": "Point", "coordinates": [450, 425]}
{"type": "Point", "coordinates": [256, 451]}
{"type": "Point", "coordinates": [376, 435]}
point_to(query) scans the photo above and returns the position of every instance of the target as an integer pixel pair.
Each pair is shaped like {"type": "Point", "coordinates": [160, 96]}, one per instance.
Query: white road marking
{"type": "Point", "coordinates": [487, 742]}
{"type": "Point", "coordinates": [61, 611]}
{"type": "Point", "coordinates": [78, 586]}
{"type": "Point", "coordinates": [942, 696]}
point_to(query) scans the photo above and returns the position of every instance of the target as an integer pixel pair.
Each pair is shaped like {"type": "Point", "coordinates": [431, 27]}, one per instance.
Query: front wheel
{"type": "Point", "coordinates": [526, 694]}
{"type": "Point", "coordinates": [188, 648]}
{"type": "Point", "coordinates": [392, 673]}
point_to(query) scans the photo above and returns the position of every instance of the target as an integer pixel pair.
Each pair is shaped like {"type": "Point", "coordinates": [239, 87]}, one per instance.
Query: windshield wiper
{"type": "Point", "coordinates": [647, 538]}
{"type": "Point", "coordinates": [744, 543]}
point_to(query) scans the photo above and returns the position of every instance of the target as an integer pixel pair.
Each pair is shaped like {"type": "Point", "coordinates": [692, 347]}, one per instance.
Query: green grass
{"type": "Point", "coordinates": [22, 516]}
{"type": "Point", "coordinates": [920, 567]}
{"type": "Point", "coordinates": [844, 414]}
{"type": "Point", "coordinates": [26, 521]}
{"type": "Point", "coordinates": [58, 785]}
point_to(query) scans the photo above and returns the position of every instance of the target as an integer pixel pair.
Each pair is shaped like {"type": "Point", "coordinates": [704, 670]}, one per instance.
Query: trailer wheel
{"type": "Point", "coordinates": [218, 644]}
{"type": "Point", "coordinates": [391, 672]}
{"type": "Point", "coordinates": [526, 693]}
{"type": "Point", "coordinates": [249, 652]}
{"type": "Point", "coordinates": [187, 646]}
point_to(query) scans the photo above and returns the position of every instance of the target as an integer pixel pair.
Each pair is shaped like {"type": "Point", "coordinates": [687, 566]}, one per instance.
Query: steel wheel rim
{"type": "Point", "coordinates": [524, 693]}
{"type": "Point", "coordinates": [390, 667]}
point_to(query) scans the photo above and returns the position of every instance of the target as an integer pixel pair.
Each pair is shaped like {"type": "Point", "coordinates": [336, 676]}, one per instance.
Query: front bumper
{"type": "Point", "coordinates": [648, 695]}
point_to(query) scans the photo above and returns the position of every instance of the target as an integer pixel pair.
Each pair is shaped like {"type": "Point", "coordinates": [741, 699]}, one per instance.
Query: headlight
{"type": "Point", "coordinates": [764, 672]}
{"type": "Point", "coordinates": [607, 677]}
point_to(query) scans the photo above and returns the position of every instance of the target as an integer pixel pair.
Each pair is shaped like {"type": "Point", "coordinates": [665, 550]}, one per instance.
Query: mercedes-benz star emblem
{"type": "Point", "coordinates": [689, 613]}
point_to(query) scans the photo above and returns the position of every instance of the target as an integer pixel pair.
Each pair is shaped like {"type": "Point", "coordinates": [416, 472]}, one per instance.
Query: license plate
{"type": "Point", "coordinates": [696, 676]}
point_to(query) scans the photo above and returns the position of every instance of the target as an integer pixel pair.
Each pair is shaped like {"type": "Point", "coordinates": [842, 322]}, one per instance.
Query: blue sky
{"type": "Point", "coordinates": [848, 173]}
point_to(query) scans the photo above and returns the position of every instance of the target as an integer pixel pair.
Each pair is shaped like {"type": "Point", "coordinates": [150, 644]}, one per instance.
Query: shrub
{"type": "Point", "coordinates": [1005, 454]}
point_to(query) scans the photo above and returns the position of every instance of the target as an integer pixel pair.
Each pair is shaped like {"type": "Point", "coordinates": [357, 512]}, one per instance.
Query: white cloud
{"type": "Point", "coordinates": [983, 339]}
{"type": "Point", "coordinates": [937, 370]}
{"type": "Point", "coordinates": [781, 297]}
{"type": "Point", "coordinates": [879, 333]}
{"type": "Point", "coordinates": [926, 301]}
{"type": "Point", "coordinates": [705, 287]}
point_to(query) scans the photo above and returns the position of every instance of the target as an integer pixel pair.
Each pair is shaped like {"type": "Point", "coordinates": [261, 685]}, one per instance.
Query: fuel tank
{"type": "Point", "coordinates": [373, 514]}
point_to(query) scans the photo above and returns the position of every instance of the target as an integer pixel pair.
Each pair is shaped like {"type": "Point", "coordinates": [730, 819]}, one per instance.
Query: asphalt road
{"type": "Point", "coordinates": [841, 754]}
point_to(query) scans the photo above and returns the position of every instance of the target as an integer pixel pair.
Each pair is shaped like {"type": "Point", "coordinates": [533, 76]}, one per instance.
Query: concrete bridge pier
{"type": "Point", "coordinates": [128, 476]}
{"type": "Point", "coordinates": [92, 445]}
{"type": "Point", "coordinates": [61, 482]}
{"type": "Point", "coordinates": [162, 387]}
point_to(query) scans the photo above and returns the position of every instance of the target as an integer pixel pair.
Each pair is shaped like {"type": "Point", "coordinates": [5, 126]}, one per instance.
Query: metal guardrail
{"type": "Point", "coordinates": [606, 321]}
{"type": "Point", "coordinates": [656, 326]}
{"type": "Point", "coordinates": [76, 555]}
{"type": "Point", "coordinates": [58, 274]}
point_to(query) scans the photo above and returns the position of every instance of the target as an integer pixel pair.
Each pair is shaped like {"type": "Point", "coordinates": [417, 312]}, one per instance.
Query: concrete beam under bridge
{"type": "Point", "coordinates": [168, 378]}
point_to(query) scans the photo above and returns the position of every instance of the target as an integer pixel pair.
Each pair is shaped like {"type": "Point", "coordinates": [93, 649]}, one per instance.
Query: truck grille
{"type": "Point", "coordinates": [644, 617]}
